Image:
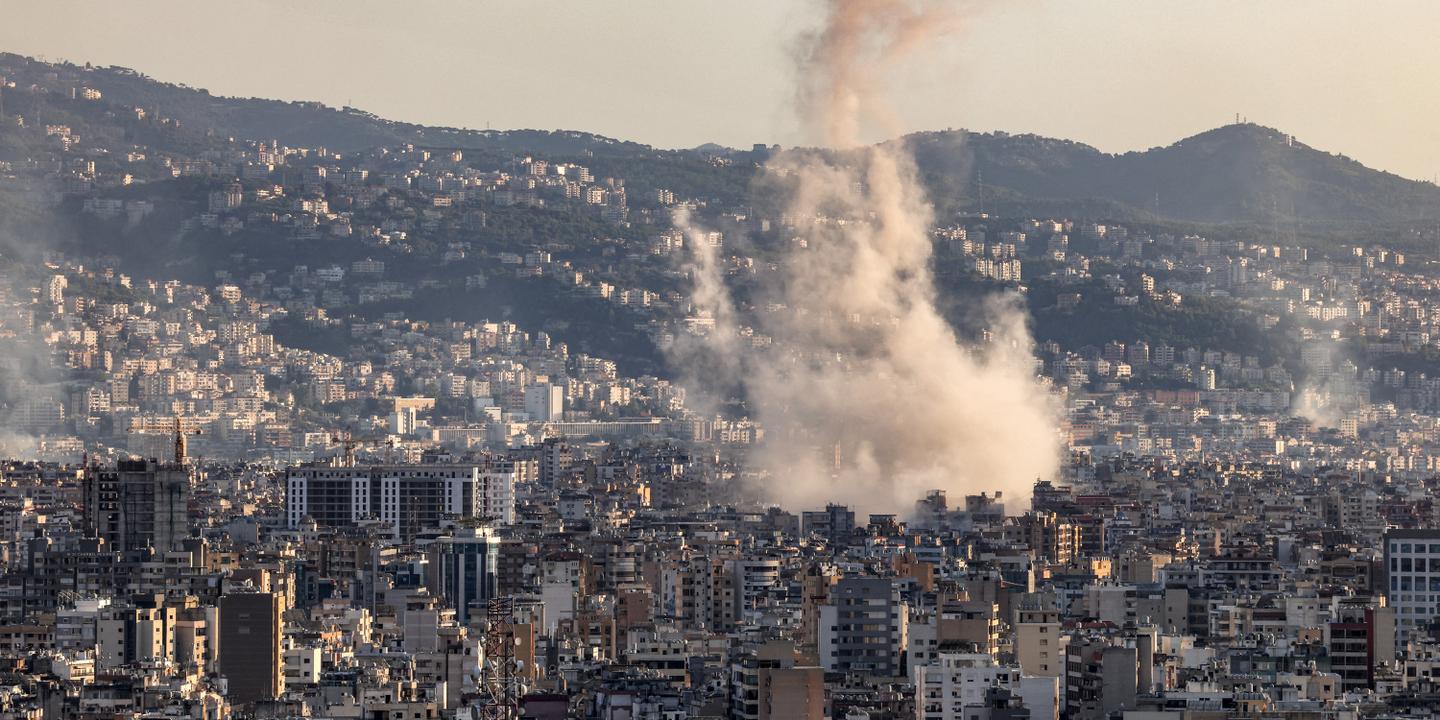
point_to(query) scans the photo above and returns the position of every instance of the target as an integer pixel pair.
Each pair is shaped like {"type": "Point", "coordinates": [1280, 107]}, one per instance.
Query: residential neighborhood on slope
{"type": "Point", "coordinates": [390, 433]}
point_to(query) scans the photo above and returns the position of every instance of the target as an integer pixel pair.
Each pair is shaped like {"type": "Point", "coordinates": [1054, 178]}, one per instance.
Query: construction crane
{"type": "Point", "coordinates": [179, 428]}
{"type": "Point", "coordinates": [349, 442]}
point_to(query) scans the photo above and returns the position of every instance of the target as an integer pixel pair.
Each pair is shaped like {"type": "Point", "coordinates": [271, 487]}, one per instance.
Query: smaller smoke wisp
{"type": "Point", "coordinates": [867, 395]}
{"type": "Point", "coordinates": [1330, 389]}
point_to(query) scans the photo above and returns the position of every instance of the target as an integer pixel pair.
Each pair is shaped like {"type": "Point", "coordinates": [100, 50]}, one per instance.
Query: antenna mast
{"type": "Point", "coordinates": [498, 670]}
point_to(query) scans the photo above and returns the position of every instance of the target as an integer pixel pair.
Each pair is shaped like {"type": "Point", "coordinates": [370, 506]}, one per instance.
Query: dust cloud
{"type": "Point", "coordinates": [866, 394]}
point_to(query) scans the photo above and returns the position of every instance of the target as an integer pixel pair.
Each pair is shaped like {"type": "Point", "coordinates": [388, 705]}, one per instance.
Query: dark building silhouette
{"type": "Point", "coordinates": [138, 504]}
{"type": "Point", "coordinates": [250, 652]}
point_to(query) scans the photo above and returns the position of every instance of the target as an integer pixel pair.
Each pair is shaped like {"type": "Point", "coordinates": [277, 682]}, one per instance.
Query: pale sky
{"type": "Point", "coordinates": [1358, 78]}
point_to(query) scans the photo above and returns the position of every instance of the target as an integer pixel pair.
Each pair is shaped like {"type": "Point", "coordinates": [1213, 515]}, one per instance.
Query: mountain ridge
{"type": "Point", "coordinates": [1240, 174]}
{"type": "Point", "coordinates": [305, 123]}
{"type": "Point", "coordinates": [1235, 174]}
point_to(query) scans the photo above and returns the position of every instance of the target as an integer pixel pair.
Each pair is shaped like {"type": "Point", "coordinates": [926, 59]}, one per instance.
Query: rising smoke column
{"type": "Point", "coordinates": [867, 396]}
{"type": "Point", "coordinates": [712, 363]}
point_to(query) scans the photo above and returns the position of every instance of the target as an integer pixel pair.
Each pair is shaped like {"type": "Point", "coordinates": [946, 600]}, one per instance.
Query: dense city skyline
{"type": "Point", "coordinates": [310, 413]}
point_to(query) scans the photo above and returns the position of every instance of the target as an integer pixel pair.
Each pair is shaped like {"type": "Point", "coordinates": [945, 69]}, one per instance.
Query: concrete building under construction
{"type": "Point", "coordinates": [138, 504]}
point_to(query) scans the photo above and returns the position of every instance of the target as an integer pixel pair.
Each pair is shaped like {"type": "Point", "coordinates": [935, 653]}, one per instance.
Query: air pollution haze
{"type": "Point", "coordinates": [866, 394]}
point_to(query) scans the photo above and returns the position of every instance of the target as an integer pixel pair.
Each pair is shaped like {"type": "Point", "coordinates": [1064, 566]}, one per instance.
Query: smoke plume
{"type": "Point", "coordinates": [1328, 390]}
{"type": "Point", "coordinates": [866, 394]}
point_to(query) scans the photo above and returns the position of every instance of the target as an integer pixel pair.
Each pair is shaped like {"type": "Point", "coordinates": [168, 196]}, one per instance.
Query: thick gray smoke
{"type": "Point", "coordinates": [866, 394]}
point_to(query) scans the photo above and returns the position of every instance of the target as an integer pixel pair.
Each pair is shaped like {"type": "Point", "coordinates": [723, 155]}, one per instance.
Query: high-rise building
{"type": "Point", "coordinates": [770, 686]}
{"type": "Point", "coordinates": [835, 523]}
{"type": "Point", "coordinates": [1360, 639]}
{"type": "Point", "coordinates": [138, 503]}
{"type": "Point", "coordinates": [1039, 646]}
{"type": "Point", "coordinates": [1101, 677]}
{"type": "Point", "coordinates": [404, 421]}
{"type": "Point", "coordinates": [973, 622]}
{"type": "Point", "coordinates": [143, 631]}
{"type": "Point", "coordinates": [408, 498]}
{"type": "Point", "coordinates": [563, 582]}
{"type": "Point", "coordinates": [1052, 537]}
{"type": "Point", "coordinates": [463, 570]}
{"type": "Point", "coordinates": [545, 402]}
{"type": "Point", "coordinates": [753, 578]}
{"type": "Point", "coordinates": [250, 640]}
{"type": "Point", "coordinates": [958, 686]}
{"type": "Point", "coordinates": [555, 459]}
{"type": "Point", "coordinates": [863, 628]}
{"type": "Point", "coordinates": [1412, 566]}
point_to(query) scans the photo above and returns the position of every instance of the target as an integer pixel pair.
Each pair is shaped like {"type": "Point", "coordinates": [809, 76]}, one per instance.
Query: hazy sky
{"type": "Point", "coordinates": [1358, 78]}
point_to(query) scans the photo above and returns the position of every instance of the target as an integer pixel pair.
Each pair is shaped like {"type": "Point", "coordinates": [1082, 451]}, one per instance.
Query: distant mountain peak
{"type": "Point", "coordinates": [1241, 173]}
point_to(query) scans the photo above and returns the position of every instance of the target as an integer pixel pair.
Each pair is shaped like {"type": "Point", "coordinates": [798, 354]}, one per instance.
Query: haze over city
{"type": "Point", "coordinates": [741, 361]}
{"type": "Point", "coordinates": [1121, 75]}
